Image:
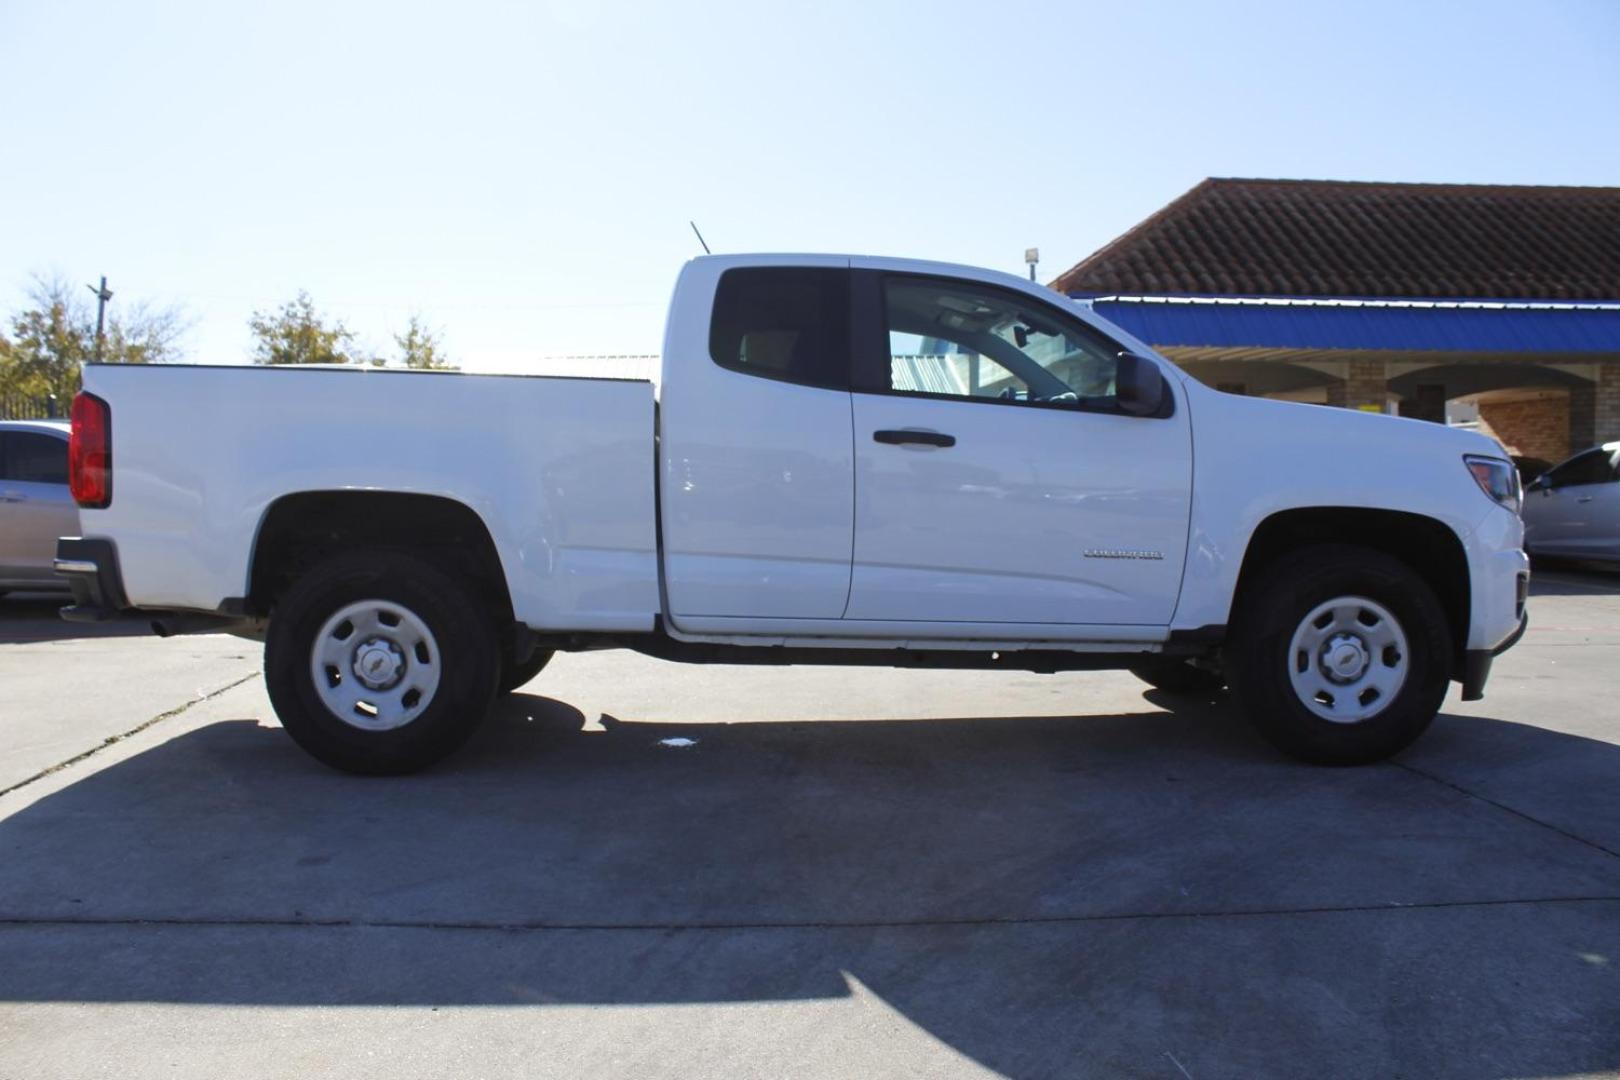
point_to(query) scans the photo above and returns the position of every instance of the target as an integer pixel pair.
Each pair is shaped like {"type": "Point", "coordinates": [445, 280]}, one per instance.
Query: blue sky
{"type": "Point", "coordinates": [521, 174]}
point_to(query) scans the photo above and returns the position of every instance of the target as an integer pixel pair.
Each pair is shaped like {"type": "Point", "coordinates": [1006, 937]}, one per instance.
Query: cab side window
{"type": "Point", "coordinates": [33, 459]}
{"type": "Point", "coordinates": [965, 340]}
{"type": "Point", "coordinates": [788, 323]}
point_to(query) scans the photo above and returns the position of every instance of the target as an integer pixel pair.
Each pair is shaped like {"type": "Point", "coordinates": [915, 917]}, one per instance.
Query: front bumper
{"type": "Point", "coordinates": [1477, 662]}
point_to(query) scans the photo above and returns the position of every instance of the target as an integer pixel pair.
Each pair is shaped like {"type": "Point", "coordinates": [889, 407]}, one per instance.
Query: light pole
{"type": "Point", "coordinates": [1032, 256]}
{"type": "Point", "coordinates": [103, 295]}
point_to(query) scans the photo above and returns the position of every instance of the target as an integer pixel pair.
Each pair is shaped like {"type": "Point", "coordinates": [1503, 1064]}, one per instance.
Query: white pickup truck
{"type": "Point", "coordinates": [846, 460]}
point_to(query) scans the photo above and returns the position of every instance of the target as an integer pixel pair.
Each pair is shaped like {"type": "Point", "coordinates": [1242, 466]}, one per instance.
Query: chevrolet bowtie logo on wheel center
{"type": "Point", "coordinates": [378, 663]}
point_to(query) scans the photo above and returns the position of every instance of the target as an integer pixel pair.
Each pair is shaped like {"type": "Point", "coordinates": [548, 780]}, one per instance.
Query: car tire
{"type": "Point", "coordinates": [1177, 676]}
{"type": "Point", "coordinates": [515, 675]}
{"type": "Point", "coordinates": [1339, 655]}
{"type": "Point", "coordinates": [395, 617]}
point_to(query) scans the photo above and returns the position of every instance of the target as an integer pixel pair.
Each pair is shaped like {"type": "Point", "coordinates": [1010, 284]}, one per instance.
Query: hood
{"type": "Point", "coordinates": [1300, 424]}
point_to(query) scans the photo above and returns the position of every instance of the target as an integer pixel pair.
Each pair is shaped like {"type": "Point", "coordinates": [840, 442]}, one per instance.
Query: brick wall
{"type": "Point", "coordinates": [1534, 427]}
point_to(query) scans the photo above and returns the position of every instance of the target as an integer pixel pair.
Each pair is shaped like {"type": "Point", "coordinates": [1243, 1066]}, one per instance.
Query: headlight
{"type": "Point", "coordinates": [1498, 479]}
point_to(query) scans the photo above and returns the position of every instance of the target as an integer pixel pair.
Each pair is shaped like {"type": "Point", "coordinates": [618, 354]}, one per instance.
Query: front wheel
{"type": "Point", "coordinates": [380, 663]}
{"type": "Point", "coordinates": [1341, 656]}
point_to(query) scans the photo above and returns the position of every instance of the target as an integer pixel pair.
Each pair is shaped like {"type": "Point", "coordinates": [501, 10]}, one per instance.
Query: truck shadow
{"type": "Point", "coordinates": [27, 617]}
{"type": "Point", "coordinates": [1043, 894]}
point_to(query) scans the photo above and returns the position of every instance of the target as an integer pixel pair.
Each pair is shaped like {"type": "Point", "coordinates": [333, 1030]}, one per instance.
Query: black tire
{"type": "Point", "coordinates": [468, 662]}
{"type": "Point", "coordinates": [514, 675]}
{"type": "Point", "coordinates": [1280, 598]}
{"type": "Point", "coordinates": [1177, 676]}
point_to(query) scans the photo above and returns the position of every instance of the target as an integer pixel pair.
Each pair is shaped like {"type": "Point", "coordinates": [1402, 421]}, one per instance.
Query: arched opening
{"type": "Point", "coordinates": [1264, 378]}
{"type": "Point", "coordinates": [1531, 422]}
{"type": "Point", "coordinates": [1532, 409]}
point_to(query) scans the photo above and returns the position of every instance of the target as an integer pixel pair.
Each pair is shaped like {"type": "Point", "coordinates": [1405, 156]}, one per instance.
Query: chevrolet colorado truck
{"type": "Point", "coordinates": [846, 460]}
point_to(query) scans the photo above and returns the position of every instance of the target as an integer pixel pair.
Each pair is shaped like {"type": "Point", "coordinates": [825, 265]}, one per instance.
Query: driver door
{"type": "Point", "coordinates": [996, 480]}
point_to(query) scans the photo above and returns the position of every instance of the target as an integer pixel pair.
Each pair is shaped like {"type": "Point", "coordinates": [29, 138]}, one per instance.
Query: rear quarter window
{"type": "Point", "coordinates": [788, 323]}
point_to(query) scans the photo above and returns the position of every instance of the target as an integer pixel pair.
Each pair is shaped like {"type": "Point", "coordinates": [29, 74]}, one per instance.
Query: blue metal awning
{"type": "Point", "coordinates": [1405, 325]}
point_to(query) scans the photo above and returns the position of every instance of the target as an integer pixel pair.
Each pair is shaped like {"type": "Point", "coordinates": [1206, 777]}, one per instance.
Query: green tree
{"type": "Point", "coordinates": [56, 334]}
{"type": "Point", "coordinates": [298, 334]}
{"type": "Point", "coordinates": [419, 347]}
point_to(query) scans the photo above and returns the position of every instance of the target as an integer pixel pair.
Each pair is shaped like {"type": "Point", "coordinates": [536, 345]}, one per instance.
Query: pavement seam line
{"type": "Point", "coordinates": [113, 740]}
{"type": "Point", "coordinates": [871, 924]}
{"type": "Point", "coordinates": [1443, 782]}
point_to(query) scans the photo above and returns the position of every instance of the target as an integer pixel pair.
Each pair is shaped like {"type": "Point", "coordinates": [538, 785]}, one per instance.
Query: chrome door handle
{"type": "Point", "coordinates": [13, 496]}
{"type": "Point", "coordinates": [1584, 498]}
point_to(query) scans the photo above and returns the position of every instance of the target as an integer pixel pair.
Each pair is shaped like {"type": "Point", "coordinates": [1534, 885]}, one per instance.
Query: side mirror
{"type": "Point", "coordinates": [1139, 385]}
{"type": "Point", "coordinates": [1540, 483]}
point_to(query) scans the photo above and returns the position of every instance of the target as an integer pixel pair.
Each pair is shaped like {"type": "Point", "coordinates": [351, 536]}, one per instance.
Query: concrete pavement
{"type": "Point", "coordinates": [846, 873]}
{"type": "Point", "coordinates": [69, 687]}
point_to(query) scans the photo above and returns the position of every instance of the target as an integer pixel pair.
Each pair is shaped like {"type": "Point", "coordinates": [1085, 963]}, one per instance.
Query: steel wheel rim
{"type": "Point", "coordinates": [1348, 659]}
{"type": "Point", "coordinates": [375, 665]}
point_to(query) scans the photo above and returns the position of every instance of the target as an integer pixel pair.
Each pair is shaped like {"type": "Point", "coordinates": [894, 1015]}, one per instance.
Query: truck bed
{"type": "Point", "coordinates": [560, 469]}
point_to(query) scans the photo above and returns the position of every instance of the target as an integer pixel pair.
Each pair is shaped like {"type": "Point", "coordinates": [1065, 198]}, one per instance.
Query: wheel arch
{"type": "Point", "coordinates": [1427, 545]}
{"type": "Point", "coordinates": [300, 529]}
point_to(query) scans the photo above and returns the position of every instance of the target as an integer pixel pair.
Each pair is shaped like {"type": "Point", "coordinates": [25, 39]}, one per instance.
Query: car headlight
{"type": "Point", "coordinates": [1498, 479]}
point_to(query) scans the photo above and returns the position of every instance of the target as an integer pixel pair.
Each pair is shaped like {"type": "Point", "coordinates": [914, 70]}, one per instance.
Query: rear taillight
{"type": "Point", "coordinates": [90, 452]}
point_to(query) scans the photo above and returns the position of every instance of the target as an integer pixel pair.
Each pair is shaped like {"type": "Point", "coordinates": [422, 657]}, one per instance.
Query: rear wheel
{"type": "Point", "coordinates": [1177, 676]}
{"type": "Point", "coordinates": [1340, 656]}
{"type": "Point", "coordinates": [380, 663]}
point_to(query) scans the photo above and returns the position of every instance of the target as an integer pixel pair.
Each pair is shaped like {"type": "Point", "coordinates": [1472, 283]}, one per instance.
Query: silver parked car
{"type": "Point", "coordinates": [35, 506]}
{"type": "Point", "coordinates": [1573, 510]}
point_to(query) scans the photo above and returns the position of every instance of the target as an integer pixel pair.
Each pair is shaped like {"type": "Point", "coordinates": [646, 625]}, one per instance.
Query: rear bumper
{"type": "Point", "coordinates": [89, 565]}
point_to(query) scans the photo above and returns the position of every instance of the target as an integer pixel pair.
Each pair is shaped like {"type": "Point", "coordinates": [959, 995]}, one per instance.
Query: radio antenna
{"type": "Point", "coordinates": [702, 241]}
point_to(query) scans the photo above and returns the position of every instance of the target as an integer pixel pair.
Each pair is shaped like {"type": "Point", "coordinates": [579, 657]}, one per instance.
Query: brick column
{"type": "Point", "coordinates": [1582, 416]}
{"type": "Point", "coordinates": [1606, 403]}
{"type": "Point", "coordinates": [1365, 384]}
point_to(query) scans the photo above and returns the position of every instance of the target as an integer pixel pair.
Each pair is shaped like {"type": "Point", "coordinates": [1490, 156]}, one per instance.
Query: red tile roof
{"type": "Point", "coordinates": [1340, 238]}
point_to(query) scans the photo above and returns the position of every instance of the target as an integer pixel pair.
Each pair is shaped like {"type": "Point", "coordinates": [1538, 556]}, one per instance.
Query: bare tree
{"type": "Point", "coordinates": [56, 334]}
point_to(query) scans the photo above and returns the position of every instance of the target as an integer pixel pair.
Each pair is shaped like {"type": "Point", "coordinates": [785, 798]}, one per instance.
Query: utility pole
{"type": "Point", "coordinates": [103, 295]}
{"type": "Point", "coordinates": [1032, 256]}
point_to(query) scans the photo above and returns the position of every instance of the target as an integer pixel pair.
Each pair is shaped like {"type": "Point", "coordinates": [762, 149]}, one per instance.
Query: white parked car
{"type": "Point", "coordinates": [1573, 510]}
{"type": "Point", "coordinates": [845, 461]}
{"type": "Point", "coordinates": [35, 507]}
